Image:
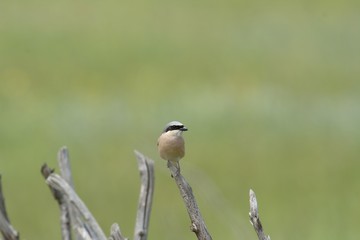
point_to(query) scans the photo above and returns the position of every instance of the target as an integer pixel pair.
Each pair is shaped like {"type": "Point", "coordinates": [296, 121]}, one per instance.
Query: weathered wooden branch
{"type": "Point", "coordinates": [6, 229]}
{"type": "Point", "coordinates": [2, 202]}
{"type": "Point", "coordinates": [64, 209]}
{"type": "Point", "coordinates": [115, 233]}
{"type": "Point", "coordinates": [146, 168]}
{"type": "Point", "coordinates": [197, 223]}
{"type": "Point", "coordinates": [83, 222]}
{"type": "Point", "coordinates": [64, 164]}
{"type": "Point", "coordinates": [85, 225]}
{"type": "Point", "coordinates": [254, 217]}
{"type": "Point", "coordinates": [66, 213]}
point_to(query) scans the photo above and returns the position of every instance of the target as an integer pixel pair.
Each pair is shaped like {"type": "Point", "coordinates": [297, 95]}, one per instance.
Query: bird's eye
{"type": "Point", "coordinates": [176, 127]}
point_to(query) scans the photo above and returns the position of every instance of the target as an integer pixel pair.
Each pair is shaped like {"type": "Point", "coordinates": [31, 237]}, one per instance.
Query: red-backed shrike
{"type": "Point", "coordinates": [171, 145]}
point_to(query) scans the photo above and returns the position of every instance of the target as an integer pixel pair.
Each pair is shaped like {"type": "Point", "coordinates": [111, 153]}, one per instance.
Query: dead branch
{"type": "Point", "coordinates": [115, 233]}
{"type": "Point", "coordinates": [197, 223]}
{"type": "Point", "coordinates": [254, 217]}
{"type": "Point", "coordinates": [6, 229]}
{"type": "Point", "coordinates": [83, 221]}
{"type": "Point", "coordinates": [146, 168]}
{"type": "Point", "coordinates": [64, 164]}
{"type": "Point", "coordinates": [65, 170]}
{"type": "Point", "coordinates": [64, 211]}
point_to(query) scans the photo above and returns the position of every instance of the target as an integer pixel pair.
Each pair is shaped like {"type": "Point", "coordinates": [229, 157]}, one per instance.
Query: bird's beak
{"type": "Point", "coordinates": [183, 129]}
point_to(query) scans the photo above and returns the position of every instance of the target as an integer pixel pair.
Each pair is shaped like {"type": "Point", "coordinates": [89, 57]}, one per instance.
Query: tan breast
{"type": "Point", "coordinates": [171, 147]}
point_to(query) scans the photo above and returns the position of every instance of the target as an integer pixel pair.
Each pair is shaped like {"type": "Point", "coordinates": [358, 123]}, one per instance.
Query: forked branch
{"type": "Point", "coordinates": [83, 221]}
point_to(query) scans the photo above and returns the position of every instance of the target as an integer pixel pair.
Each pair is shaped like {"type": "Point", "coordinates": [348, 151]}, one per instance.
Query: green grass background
{"type": "Point", "coordinates": [269, 90]}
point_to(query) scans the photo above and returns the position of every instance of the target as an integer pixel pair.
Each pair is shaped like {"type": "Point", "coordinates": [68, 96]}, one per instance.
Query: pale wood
{"type": "Point", "coordinates": [146, 169]}
{"type": "Point", "coordinates": [66, 213]}
{"type": "Point", "coordinates": [83, 223]}
{"type": "Point", "coordinates": [197, 223]}
{"type": "Point", "coordinates": [7, 230]}
{"type": "Point", "coordinates": [115, 233]}
{"type": "Point", "coordinates": [65, 167]}
{"type": "Point", "coordinates": [64, 209]}
{"type": "Point", "coordinates": [254, 217]}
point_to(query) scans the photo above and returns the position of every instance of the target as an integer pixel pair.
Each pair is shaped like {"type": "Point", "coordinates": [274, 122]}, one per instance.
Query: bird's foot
{"type": "Point", "coordinates": [174, 168]}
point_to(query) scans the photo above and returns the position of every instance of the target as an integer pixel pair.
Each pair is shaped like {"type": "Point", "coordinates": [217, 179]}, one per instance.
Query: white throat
{"type": "Point", "coordinates": [174, 133]}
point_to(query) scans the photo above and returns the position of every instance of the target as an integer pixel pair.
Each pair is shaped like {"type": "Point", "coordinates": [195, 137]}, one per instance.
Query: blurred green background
{"type": "Point", "coordinates": [269, 90]}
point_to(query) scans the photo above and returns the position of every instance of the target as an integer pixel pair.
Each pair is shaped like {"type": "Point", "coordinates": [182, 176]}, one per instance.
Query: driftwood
{"type": "Point", "coordinates": [75, 213]}
{"type": "Point", "coordinates": [115, 233]}
{"type": "Point", "coordinates": [254, 217]}
{"type": "Point", "coordinates": [7, 231]}
{"type": "Point", "coordinates": [76, 219]}
{"type": "Point", "coordinates": [82, 221]}
{"type": "Point", "coordinates": [146, 168]}
{"type": "Point", "coordinates": [64, 208]}
{"type": "Point", "coordinates": [66, 212]}
{"type": "Point", "coordinates": [197, 223]}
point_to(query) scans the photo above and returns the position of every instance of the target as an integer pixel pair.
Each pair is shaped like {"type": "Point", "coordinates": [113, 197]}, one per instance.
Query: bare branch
{"type": "Point", "coordinates": [254, 217]}
{"type": "Point", "coordinates": [115, 233]}
{"type": "Point", "coordinates": [2, 203]}
{"type": "Point", "coordinates": [146, 168]}
{"type": "Point", "coordinates": [64, 163]}
{"type": "Point", "coordinates": [84, 223]}
{"type": "Point", "coordinates": [64, 211]}
{"type": "Point", "coordinates": [65, 170]}
{"type": "Point", "coordinates": [197, 223]}
{"type": "Point", "coordinates": [8, 231]}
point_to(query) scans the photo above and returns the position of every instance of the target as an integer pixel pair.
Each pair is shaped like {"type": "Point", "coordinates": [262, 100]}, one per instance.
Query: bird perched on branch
{"type": "Point", "coordinates": [171, 145]}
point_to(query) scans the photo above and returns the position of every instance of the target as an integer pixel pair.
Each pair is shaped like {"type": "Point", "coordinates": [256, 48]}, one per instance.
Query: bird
{"type": "Point", "coordinates": [171, 144]}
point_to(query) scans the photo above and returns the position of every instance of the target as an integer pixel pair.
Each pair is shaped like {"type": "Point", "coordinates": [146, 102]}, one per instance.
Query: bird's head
{"type": "Point", "coordinates": [175, 127]}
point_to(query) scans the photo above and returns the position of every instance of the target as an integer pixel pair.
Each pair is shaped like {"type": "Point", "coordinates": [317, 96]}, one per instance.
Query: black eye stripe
{"type": "Point", "coordinates": [174, 127]}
